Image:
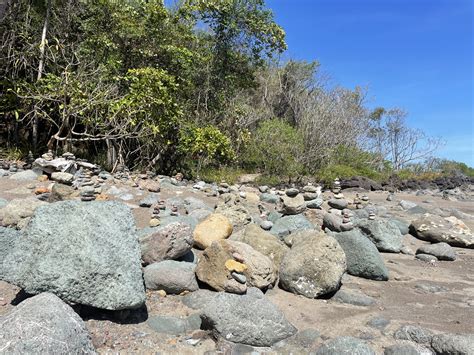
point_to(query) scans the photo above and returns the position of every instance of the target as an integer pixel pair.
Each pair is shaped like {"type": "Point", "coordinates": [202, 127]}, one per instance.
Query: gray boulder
{"type": "Point", "coordinates": [354, 298]}
{"type": "Point", "coordinates": [414, 333]}
{"type": "Point", "coordinates": [172, 276]}
{"type": "Point", "coordinates": [345, 345]}
{"type": "Point", "coordinates": [62, 178]}
{"type": "Point", "coordinates": [363, 258]}
{"type": "Point", "coordinates": [269, 198]}
{"type": "Point", "coordinates": [8, 238]}
{"type": "Point", "coordinates": [84, 252]}
{"type": "Point", "coordinates": [18, 212]}
{"type": "Point", "coordinates": [44, 325]}
{"type": "Point", "coordinates": [167, 242]}
{"type": "Point", "coordinates": [442, 251]}
{"type": "Point", "coordinates": [438, 229]}
{"type": "Point", "coordinates": [300, 274]}
{"type": "Point", "coordinates": [402, 225]}
{"type": "Point", "coordinates": [384, 234]}
{"type": "Point", "coordinates": [314, 204]}
{"type": "Point", "coordinates": [406, 349]}
{"type": "Point", "coordinates": [292, 205]}
{"type": "Point", "coordinates": [338, 204]}
{"type": "Point", "coordinates": [453, 344]}
{"type": "Point", "coordinates": [193, 203]}
{"type": "Point", "coordinates": [248, 319]}
{"type": "Point", "coordinates": [333, 222]}
{"type": "Point", "coordinates": [149, 200]}
{"type": "Point", "coordinates": [174, 325]}
{"type": "Point", "coordinates": [289, 224]}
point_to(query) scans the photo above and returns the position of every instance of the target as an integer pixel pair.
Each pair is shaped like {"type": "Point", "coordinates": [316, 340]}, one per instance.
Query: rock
{"type": "Point", "coordinates": [442, 251]}
{"type": "Point", "coordinates": [167, 242]}
{"type": "Point", "coordinates": [292, 205]}
{"type": "Point", "coordinates": [361, 182]}
{"type": "Point", "coordinates": [248, 319]}
{"type": "Point", "coordinates": [333, 222]}
{"type": "Point", "coordinates": [300, 274]}
{"type": "Point", "coordinates": [345, 345]}
{"type": "Point", "coordinates": [237, 214]}
{"type": "Point", "coordinates": [379, 323]}
{"type": "Point", "coordinates": [263, 188]}
{"type": "Point", "coordinates": [406, 205]}
{"type": "Point", "coordinates": [384, 234]}
{"type": "Point", "coordinates": [427, 258]}
{"type": "Point", "coordinates": [214, 266]}
{"type": "Point", "coordinates": [292, 192]}
{"type": "Point", "coordinates": [174, 325]}
{"type": "Point", "coordinates": [192, 203]}
{"type": "Point", "coordinates": [414, 333]}
{"type": "Point", "coordinates": [269, 198]}
{"type": "Point", "coordinates": [96, 263]}
{"type": "Point", "coordinates": [8, 238]}
{"type": "Point", "coordinates": [149, 200]}
{"type": "Point", "coordinates": [309, 196]}
{"type": "Point", "coordinates": [198, 299]}
{"type": "Point", "coordinates": [338, 204]}
{"type": "Point", "coordinates": [289, 224]}
{"type": "Point", "coordinates": [200, 214]}
{"type": "Point", "coordinates": [407, 251]}
{"type": "Point", "coordinates": [363, 258]}
{"type": "Point", "coordinates": [24, 175]}
{"type": "Point", "coordinates": [61, 192]}
{"type": "Point", "coordinates": [150, 185]}
{"type": "Point", "coordinates": [263, 242]}
{"type": "Point", "coordinates": [402, 225]}
{"type": "Point", "coordinates": [172, 276]}
{"type": "Point", "coordinates": [314, 204]}
{"type": "Point", "coordinates": [266, 225]}
{"type": "Point", "coordinates": [405, 349]}
{"type": "Point", "coordinates": [354, 298]}
{"type": "Point", "coordinates": [62, 178]}
{"type": "Point", "coordinates": [3, 202]}
{"type": "Point", "coordinates": [17, 212]}
{"type": "Point", "coordinates": [190, 221]}
{"type": "Point", "coordinates": [437, 229]}
{"type": "Point", "coordinates": [213, 228]}
{"type": "Point", "coordinates": [431, 288]}
{"type": "Point", "coordinates": [44, 325]}
{"type": "Point", "coordinates": [453, 344]}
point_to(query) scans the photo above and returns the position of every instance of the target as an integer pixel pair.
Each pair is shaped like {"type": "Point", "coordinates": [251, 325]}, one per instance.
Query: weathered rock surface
{"type": "Point", "coordinates": [292, 205]}
{"type": "Point", "coordinates": [384, 234]}
{"type": "Point", "coordinates": [345, 345]}
{"type": "Point", "coordinates": [62, 178]}
{"type": "Point", "coordinates": [353, 297]}
{"type": "Point", "coordinates": [300, 274]}
{"type": "Point", "coordinates": [213, 228]}
{"type": "Point", "coordinates": [442, 251]}
{"type": "Point", "coordinates": [44, 325]}
{"type": "Point", "coordinates": [263, 242]}
{"type": "Point", "coordinates": [438, 229]}
{"type": "Point", "coordinates": [217, 263]}
{"type": "Point", "coordinates": [453, 344]}
{"type": "Point", "coordinates": [333, 222]}
{"type": "Point", "coordinates": [172, 276]}
{"type": "Point", "coordinates": [24, 175]}
{"type": "Point", "coordinates": [61, 192]}
{"type": "Point", "coordinates": [174, 325]}
{"type": "Point", "coordinates": [17, 212]}
{"type": "Point", "coordinates": [84, 252]}
{"type": "Point", "coordinates": [414, 333]}
{"type": "Point", "coordinates": [167, 242]}
{"type": "Point", "coordinates": [289, 224]}
{"type": "Point", "coordinates": [363, 258]}
{"type": "Point", "coordinates": [248, 319]}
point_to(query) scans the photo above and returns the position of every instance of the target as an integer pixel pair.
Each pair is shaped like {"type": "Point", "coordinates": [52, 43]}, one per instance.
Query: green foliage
{"type": "Point", "coordinates": [227, 174]}
{"type": "Point", "coordinates": [274, 149]}
{"type": "Point", "coordinates": [451, 167]}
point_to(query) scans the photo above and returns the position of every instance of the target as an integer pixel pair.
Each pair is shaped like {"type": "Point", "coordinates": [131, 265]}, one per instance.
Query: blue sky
{"type": "Point", "coordinates": [414, 54]}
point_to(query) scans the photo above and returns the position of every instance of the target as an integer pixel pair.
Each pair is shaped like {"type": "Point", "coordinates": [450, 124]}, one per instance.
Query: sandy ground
{"type": "Point", "coordinates": [404, 299]}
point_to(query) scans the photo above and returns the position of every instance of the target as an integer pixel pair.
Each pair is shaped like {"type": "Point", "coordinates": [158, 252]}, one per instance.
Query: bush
{"type": "Point", "coordinates": [274, 149]}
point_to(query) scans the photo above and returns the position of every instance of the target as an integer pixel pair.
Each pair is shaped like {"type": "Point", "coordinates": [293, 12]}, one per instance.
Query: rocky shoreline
{"type": "Point", "coordinates": [160, 264]}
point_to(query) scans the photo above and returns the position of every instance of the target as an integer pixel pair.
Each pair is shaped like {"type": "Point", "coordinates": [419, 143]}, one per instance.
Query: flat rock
{"type": "Point", "coordinates": [438, 229]}
{"type": "Point", "coordinates": [62, 178]}
{"type": "Point", "coordinates": [339, 204]}
{"type": "Point", "coordinates": [301, 275]}
{"type": "Point", "coordinates": [26, 175]}
{"type": "Point", "coordinates": [426, 257]}
{"type": "Point", "coordinates": [95, 263]}
{"type": "Point", "coordinates": [333, 222]}
{"type": "Point", "coordinates": [171, 276]}
{"type": "Point", "coordinates": [248, 319]}
{"type": "Point", "coordinates": [442, 251]}
{"type": "Point", "coordinates": [167, 242]}
{"type": "Point", "coordinates": [363, 258]}
{"type": "Point", "coordinates": [44, 325]}
{"type": "Point", "coordinates": [345, 345]}
{"type": "Point", "coordinates": [353, 297]}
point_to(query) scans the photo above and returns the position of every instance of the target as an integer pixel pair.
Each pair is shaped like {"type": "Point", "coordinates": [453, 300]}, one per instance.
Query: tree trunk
{"type": "Point", "coordinates": [40, 72]}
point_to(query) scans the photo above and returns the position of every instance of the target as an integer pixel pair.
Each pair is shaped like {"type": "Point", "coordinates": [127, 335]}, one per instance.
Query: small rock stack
{"type": "Point", "coordinates": [48, 156]}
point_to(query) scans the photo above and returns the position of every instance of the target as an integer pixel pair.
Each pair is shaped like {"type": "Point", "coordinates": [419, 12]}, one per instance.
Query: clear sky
{"type": "Point", "coordinates": [414, 54]}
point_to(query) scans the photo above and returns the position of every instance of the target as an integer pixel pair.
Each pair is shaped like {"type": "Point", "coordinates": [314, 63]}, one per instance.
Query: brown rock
{"type": "Point", "coordinates": [215, 227]}
{"type": "Point", "coordinates": [150, 185]}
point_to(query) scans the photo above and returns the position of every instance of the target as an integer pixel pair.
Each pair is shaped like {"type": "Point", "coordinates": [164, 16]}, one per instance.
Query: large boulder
{"type": "Point", "coordinates": [167, 242]}
{"type": "Point", "coordinates": [18, 212]}
{"type": "Point", "coordinates": [172, 276]}
{"type": "Point", "coordinates": [61, 192]}
{"type": "Point", "coordinates": [453, 344]}
{"type": "Point", "coordinates": [62, 178]}
{"type": "Point", "coordinates": [235, 212]}
{"type": "Point", "coordinates": [26, 175]}
{"type": "Point", "coordinates": [8, 238]}
{"type": "Point", "coordinates": [313, 267]}
{"type": "Point", "coordinates": [221, 264]}
{"type": "Point", "coordinates": [215, 227]}
{"type": "Point", "coordinates": [44, 325]}
{"type": "Point", "coordinates": [384, 234]}
{"type": "Point", "coordinates": [438, 229]}
{"type": "Point", "coordinates": [361, 182]}
{"type": "Point", "coordinates": [84, 252]}
{"type": "Point", "coordinates": [333, 222]}
{"type": "Point", "coordinates": [289, 224]}
{"type": "Point", "coordinates": [292, 205]}
{"type": "Point", "coordinates": [263, 242]}
{"type": "Point", "coordinates": [248, 319]}
{"type": "Point", "coordinates": [363, 258]}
